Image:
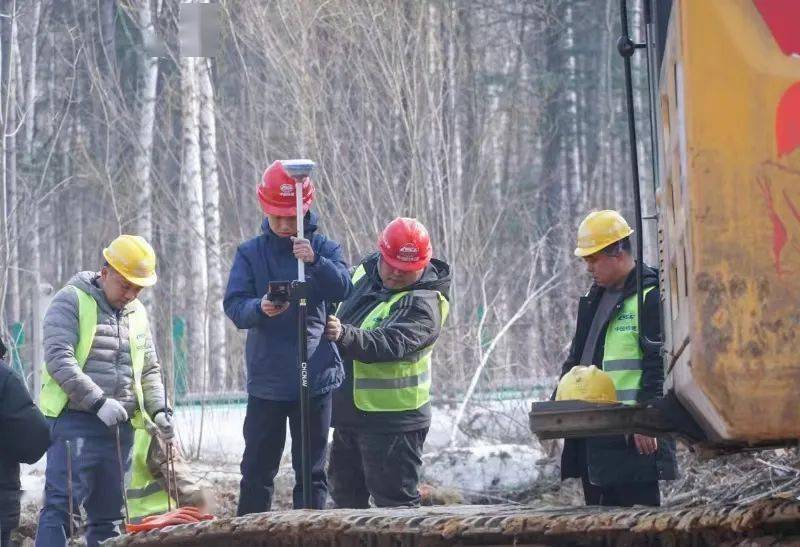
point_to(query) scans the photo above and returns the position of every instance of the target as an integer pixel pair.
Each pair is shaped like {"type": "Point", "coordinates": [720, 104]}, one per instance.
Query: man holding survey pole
{"type": "Point", "coordinates": [263, 297]}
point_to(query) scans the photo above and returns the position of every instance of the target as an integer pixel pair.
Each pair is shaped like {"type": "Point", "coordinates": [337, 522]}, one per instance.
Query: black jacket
{"type": "Point", "coordinates": [614, 459]}
{"type": "Point", "coordinates": [413, 324]}
{"type": "Point", "coordinates": [24, 438]}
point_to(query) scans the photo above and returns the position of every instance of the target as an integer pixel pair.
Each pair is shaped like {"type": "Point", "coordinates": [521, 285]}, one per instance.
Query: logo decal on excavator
{"type": "Point", "coordinates": [782, 17]}
{"type": "Point", "coordinates": [787, 118]}
{"type": "Point", "coordinates": [781, 212]}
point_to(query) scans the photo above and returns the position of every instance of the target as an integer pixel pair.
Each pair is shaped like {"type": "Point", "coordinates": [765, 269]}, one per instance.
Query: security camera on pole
{"type": "Point", "coordinates": [300, 170]}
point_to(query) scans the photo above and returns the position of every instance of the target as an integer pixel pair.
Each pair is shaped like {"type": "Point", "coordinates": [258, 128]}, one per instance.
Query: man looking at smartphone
{"type": "Point", "coordinates": [271, 351]}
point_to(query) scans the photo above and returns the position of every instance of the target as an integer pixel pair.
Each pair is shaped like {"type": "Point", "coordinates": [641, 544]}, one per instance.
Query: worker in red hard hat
{"type": "Point", "coordinates": [271, 320]}
{"type": "Point", "coordinates": [385, 331]}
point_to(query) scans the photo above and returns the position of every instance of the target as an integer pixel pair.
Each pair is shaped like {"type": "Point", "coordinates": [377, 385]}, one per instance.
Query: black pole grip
{"type": "Point", "coordinates": [302, 355]}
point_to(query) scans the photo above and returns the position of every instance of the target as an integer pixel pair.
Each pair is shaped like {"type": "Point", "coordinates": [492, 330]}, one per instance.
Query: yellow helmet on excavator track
{"type": "Point", "coordinates": [599, 230]}
{"type": "Point", "coordinates": [588, 384]}
{"type": "Point", "coordinates": [133, 258]}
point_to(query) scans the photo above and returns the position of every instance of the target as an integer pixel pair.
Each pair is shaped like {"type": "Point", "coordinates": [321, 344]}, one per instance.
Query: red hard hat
{"type": "Point", "coordinates": [405, 244]}
{"type": "Point", "coordinates": [276, 193]}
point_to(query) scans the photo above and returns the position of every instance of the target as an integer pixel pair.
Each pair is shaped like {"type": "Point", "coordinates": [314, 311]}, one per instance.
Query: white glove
{"type": "Point", "coordinates": [112, 413]}
{"type": "Point", "coordinates": [164, 422]}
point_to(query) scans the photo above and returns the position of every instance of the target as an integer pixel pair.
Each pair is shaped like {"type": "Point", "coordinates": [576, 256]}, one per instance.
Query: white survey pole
{"type": "Point", "coordinates": [298, 194]}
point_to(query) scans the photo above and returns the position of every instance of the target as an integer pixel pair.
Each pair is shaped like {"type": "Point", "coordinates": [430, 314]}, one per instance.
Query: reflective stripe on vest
{"type": "Point", "coordinates": [392, 386]}
{"type": "Point", "coordinates": [622, 357]}
{"type": "Point", "coordinates": [53, 399]}
{"type": "Point", "coordinates": [145, 494]}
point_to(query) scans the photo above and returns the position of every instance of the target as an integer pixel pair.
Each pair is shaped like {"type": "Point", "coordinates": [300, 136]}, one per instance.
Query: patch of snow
{"type": "Point", "coordinates": [217, 429]}
{"type": "Point", "coordinates": [486, 468]}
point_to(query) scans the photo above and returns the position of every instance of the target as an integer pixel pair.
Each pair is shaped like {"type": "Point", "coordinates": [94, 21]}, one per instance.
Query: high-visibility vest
{"type": "Point", "coordinates": [392, 386]}
{"type": "Point", "coordinates": [146, 496]}
{"type": "Point", "coordinates": [53, 399]}
{"type": "Point", "coordinates": [622, 356]}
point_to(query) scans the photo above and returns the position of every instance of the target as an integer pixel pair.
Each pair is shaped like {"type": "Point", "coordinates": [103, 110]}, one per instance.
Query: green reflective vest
{"type": "Point", "coordinates": [622, 357]}
{"type": "Point", "coordinates": [53, 399]}
{"type": "Point", "coordinates": [392, 386]}
{"type": "Point", "coordinates": [146, 496]}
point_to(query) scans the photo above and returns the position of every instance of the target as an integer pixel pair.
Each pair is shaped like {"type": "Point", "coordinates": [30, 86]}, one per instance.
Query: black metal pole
{"type": "Point", "coordinates": [652, 85]}
{"type": "Point", "coordinates": [626, 48]}
{"type": "Point", "coordinates": [304, 401]}
{"type": "Point", "coordinates": [302, 352]}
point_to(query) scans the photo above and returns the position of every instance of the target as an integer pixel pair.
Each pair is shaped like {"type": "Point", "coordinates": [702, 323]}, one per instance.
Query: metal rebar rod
{"type": "Point", "coordinates": [69, 492]}
{"type": "Point", "coordinates": [167, 454]}
{"type": "Point", "coordinates": [171, 464]}
{"type": "Point", "coordinates": [122, 475]}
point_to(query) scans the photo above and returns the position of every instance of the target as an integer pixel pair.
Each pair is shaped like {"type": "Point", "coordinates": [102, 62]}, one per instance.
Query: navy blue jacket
{"type": "Point", "coordinates": [271, 350]}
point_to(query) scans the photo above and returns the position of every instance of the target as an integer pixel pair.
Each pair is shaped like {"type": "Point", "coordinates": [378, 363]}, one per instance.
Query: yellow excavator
{"type": "Point", "coordinates": [726, 131]}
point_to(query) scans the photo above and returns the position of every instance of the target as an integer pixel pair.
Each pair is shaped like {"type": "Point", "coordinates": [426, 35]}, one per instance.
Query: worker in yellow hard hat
{"type": "Point", "coordinates": [607, 362]}
{"type": "Point", "coordinates": [102, 378]}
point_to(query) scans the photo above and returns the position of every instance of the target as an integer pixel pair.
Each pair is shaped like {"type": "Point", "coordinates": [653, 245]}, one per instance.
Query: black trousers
{"type": "Point", "coordinates": [264, 438]}
{"type": "Point", "coordinates": [384, 466]}
{"type": "Point", "coordinates": [621, 495]}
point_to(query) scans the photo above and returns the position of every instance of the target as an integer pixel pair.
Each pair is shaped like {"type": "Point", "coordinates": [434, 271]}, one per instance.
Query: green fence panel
{"type": "Point", "coordinates": [179, 354]}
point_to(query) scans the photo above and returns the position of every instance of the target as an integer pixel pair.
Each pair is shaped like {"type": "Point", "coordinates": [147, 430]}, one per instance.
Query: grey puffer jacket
{"type": "Point", "coordinates": [108, 372]}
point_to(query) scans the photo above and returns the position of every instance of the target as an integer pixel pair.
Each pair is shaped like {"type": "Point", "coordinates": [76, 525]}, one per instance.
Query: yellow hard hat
{"type": "Point", "coordinates": [589, 384]}
{"type": "Point", "coordinates": [133, 258]}
{"type": "Point", "coordinates": [599, 230]}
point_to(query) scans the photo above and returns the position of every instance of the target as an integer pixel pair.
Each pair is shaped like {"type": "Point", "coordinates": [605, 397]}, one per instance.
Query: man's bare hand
{"type": "Point", "coordinates": [645, 445]}
{"type": "Point", "coordinates": [272, 309]}
{"type": "Point", "coordinates": [302, 249]}
{"type": "Point", "coordinates": [333, 328]}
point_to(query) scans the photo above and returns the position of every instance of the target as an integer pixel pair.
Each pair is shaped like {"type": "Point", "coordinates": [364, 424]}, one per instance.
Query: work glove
{"type": "Point", "coordinates": [112, 413]}
{"type": "Point", "coordinates": [164, 423]}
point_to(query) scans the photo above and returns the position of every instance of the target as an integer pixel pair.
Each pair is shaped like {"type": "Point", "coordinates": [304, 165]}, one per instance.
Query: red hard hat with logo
{"type": "Point", "coordinates": [276, 193]}
{"type": "Point", "coordinates": [405, 245]}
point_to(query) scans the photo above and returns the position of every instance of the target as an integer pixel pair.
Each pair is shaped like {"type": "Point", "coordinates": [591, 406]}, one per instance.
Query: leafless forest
{"type": "Point", "coordinates": [498, 123]}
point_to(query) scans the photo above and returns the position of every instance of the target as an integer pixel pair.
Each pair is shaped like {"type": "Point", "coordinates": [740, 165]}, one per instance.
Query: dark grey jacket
{"type": "Point", "coordinates": [108, 371]}
{"type": "Point", "coordinates": [413, 324]}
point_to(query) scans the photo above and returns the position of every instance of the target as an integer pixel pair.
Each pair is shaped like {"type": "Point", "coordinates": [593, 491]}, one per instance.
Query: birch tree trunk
{"type": "Point", "coordinates": [147, 108]}
{"type": "Point", "coordinates": [30, 117]}
{"type": "Point", "coordinates": [10, 160]}
{"type": "Point", "coordinates": [34, 202]}
{"type": "Point", "coordinates": [208, 155]}
{"type": "Point", "coordinates": [192, 192]}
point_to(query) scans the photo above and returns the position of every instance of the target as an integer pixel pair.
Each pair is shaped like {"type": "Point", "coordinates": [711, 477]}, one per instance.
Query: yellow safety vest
{"type": "Point", "coordinates": [146, 496]}
{"type": "Point", "coordinates": [622, 355]}
{"type": "Point", "coordinates": [53, 399]}
{"type": "Point", "coordinates": [392, 386]}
